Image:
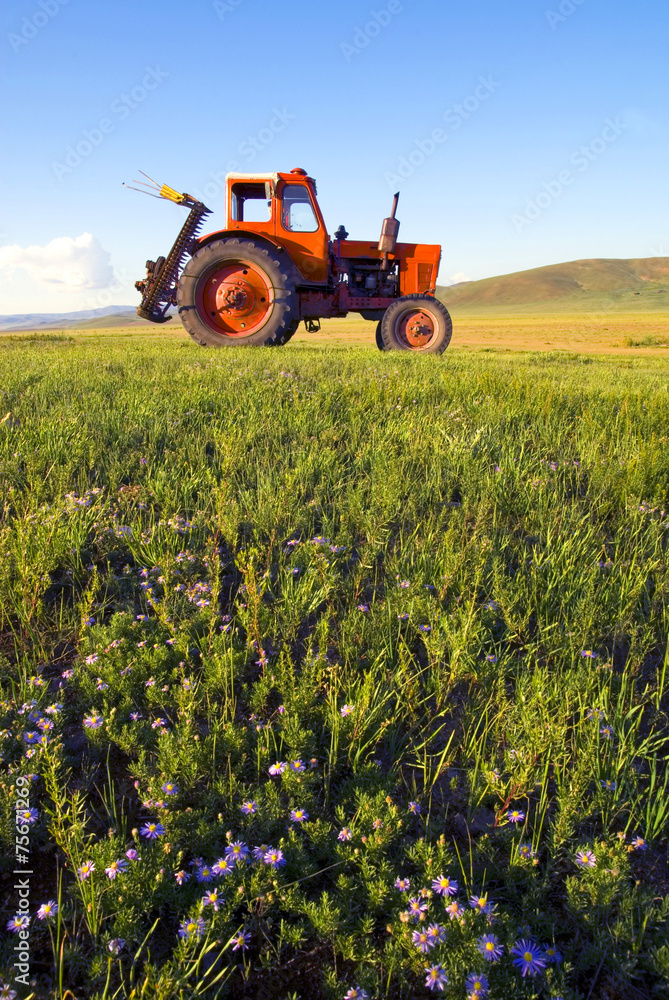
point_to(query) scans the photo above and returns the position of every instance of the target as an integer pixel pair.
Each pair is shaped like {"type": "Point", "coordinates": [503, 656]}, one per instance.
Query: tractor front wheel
{"type": "Point", "coordinates": [235, 292]}
{"type": "Point", "coordinates": [416, 323]}
{"type": "Point", "coordinates": [379, 339]}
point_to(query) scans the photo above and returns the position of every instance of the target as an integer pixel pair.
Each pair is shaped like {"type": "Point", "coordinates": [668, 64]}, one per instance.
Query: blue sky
{"type": "Point", "coordinates": [519, 134]}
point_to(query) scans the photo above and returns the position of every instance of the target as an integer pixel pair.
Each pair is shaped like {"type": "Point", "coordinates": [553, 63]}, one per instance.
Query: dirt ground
{"type": "Point", "coordinates": [578, 333]}
{"type": "Point", "coordinates": [630, 334]}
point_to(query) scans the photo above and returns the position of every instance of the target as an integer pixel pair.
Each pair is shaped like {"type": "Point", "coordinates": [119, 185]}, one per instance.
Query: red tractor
{"type": "Point", "coordinates": [274, 265]}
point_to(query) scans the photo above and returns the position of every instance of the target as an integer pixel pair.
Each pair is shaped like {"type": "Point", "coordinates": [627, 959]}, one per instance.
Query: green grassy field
{"type": "Point", "coordinates": [395, 626]}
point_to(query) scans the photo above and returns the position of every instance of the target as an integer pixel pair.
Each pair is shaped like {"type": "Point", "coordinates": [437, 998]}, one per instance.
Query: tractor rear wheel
{"type": "Point", "coordinates": [416, 323]}
{"type": "Point", "coordinates": [235, 292]}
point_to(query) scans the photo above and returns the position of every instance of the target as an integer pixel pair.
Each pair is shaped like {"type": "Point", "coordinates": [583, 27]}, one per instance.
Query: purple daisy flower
{"type": "Point", "coordinates": [417, 907]}
{"type": "Point", "coordinates": [515, 816]}
{"type": "Point", "coordinates": [204, 873]}
{"type": "Point", "coordinates": [27, 815]}
{"type": "Point", "coordinates": [116, 868]}
{"type": "Point", "coordinates": [237, 850]}
{"type": "Point", "coordinates": [299, 815]}
{"type": "Point", "coordinates": [241, 940]}
{"type": "Point", "coordinates": [93, 721]}
{"type": "Point", "coordinates": [436, 977]}
{"type": "Point", "coordinates": [346, 710]}
{"type": "Point", "coordinates": [47, 910]}
{"type": "Point", "coordinates": [192, 928]}
{"type": "Point", "coordinates": [116, 945]}
{"type": "Point", "coordinates": [403, 884]}
{"type": "Point", "coordinates": [274, 857]}
{"type": "Point", "coordinates": [249, 807]}
{"type": "Point", "coordinates": [435, 934]}
{"type": "Point", "coordinates": [223, 866]}
{"type": "Point", "coordinates": [344, 834]}
{"type": "Point", "coordinates": [152, 830]}
{"type": "Point", "coordinates": [490, 947]}
{"type": "Point", "coordinates": [529, 957]}
{"type": "Point", "coordinates": [585, 859]}
{"type": "Point", "coordinates": [86, 869]}
{"type": "Point", "coordinates": [421, 941]}
{"type": "Point", "coordinates": [170, 788]}
{"type": "Point", "coordinates": [476, 984]}
{"type": "Point", "coordinates": [18, 923]}
{"type": "Point", "coordinates": [445, 886]}
{"type": "Point", "coordinates": [212, 898]}
{"type": "Point", "coordinates": [278, 768]}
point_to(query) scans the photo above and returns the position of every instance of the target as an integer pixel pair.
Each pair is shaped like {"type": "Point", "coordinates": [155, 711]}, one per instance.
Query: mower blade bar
{"type": "Point", "coordinates": [158, 290]}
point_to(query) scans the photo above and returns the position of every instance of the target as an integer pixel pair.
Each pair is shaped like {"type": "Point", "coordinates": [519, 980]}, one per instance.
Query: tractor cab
{"type": "Point", "coordinates": [283, 208]}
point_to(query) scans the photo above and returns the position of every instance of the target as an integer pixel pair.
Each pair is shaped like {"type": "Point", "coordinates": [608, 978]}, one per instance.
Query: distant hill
{"type": "Point", "coordinates": [640, 285]}
{"type": "Point", "coordinates": [107, 316]}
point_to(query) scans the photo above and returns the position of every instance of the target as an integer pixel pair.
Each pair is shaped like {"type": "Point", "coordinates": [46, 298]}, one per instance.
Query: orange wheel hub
{"type": "Point", "coordinates": [235, 299]}
{"type": "Point", "coordinates": [417, 329]}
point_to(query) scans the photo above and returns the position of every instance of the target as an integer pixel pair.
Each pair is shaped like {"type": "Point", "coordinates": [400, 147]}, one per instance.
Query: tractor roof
{"type": "Point", "coordinates": [296, 174]}
{"type": "Point", "coordinates": [254, 177]}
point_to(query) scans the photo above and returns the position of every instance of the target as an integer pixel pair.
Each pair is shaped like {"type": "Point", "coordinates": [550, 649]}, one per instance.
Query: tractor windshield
{"type": "Point", "coordinates": [297, 212]}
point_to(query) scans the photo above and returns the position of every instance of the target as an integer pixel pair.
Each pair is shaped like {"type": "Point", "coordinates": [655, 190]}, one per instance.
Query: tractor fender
{"type": "Point", "coordinates": [242, 234]}
{"type": "Point", "coordinates": [260, 240]}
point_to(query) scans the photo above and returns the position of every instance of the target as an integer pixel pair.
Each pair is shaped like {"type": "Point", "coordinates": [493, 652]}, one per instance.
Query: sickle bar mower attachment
{"type": "Point", "coordinates": [159, 288]}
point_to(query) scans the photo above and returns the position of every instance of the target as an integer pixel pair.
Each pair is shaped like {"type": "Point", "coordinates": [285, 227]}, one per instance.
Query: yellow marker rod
{"type": "Point", "coordinates": [171, 194]}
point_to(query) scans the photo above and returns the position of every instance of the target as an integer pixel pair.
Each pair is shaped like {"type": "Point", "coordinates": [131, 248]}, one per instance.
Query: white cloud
{"type": "Point", "coordinates": [455, 279]}
{"type": "Point", "coordinates": [65, 264]}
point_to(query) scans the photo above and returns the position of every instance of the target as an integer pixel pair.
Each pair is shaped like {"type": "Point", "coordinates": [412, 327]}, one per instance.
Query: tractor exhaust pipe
{"type": "Point", "coordinates": [389, 231]}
